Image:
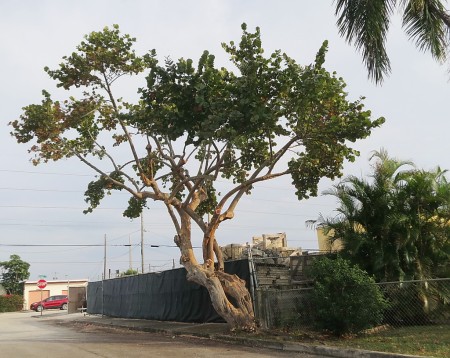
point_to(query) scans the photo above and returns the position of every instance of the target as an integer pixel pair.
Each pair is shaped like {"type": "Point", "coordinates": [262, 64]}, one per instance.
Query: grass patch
{"type": "Point", "coordinates": [430, 341]}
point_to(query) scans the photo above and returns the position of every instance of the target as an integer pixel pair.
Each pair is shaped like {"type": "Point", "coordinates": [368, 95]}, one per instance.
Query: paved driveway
{"type": "Point", "coordinates": [27, 334]}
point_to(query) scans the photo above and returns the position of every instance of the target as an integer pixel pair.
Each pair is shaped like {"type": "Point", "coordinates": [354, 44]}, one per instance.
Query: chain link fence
{"type": "Point", "coordinates": [280, 308]}
{"type": "Point", "coordinates": [409, 303]}
{"type": "Point", "coordinates": [417, 302]}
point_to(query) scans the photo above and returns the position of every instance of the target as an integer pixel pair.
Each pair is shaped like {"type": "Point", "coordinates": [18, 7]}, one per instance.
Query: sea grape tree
{"type": "Point", "coordinates": [194, 124]}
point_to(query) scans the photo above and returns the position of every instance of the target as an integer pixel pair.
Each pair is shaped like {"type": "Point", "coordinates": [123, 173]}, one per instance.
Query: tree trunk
{"type": "Point", "coordinates": [229, 296]}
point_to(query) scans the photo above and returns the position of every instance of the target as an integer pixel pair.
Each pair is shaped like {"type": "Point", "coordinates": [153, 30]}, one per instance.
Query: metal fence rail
{"type": "Point", "coordinates": [409, 303]}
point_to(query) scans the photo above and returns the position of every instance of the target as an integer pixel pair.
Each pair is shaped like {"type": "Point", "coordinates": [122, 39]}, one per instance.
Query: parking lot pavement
{"type": "Point", "coordinates": [56, 334]}
{"type": "Point", "coordinates": [220, 332]}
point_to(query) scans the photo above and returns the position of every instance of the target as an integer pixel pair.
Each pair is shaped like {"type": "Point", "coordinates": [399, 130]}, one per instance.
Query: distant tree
{"type": "Point", "coordinates": [366, 24]}
{"type": "Point", "coordinates": [14, 272]}
{"type": "Point", "coordinates": [395, 226]}
{"type": "Point", "coordinates": [129, 272]}
{"type": "Point", "coordinates": [193, 126]}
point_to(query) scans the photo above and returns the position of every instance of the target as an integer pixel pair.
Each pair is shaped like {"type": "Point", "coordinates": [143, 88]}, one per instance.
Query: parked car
{"type": "Point", "coordinates": [59, 301]}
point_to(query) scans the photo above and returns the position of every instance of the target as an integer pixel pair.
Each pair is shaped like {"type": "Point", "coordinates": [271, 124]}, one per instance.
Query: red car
{"type": "Point", "coordinates": [59, 301]}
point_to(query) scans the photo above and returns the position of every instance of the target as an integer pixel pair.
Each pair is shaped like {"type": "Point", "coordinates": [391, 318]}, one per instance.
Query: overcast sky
{"type": "Point", "coordinates": [43, 205]}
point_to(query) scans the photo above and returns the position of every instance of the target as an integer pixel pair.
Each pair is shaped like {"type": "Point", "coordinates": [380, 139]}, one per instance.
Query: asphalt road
{"type": "Point", "coordinates": [27, 334]}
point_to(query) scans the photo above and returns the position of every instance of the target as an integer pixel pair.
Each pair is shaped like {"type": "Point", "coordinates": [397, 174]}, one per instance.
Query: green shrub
{"type": "Point", "coordinates": [11, 303]}
{"type": "Point", "coordinates": [346, 299]}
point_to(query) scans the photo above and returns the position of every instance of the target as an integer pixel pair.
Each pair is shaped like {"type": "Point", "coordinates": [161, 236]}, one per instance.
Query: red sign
{"type": "Point", "coordinates": [41, 284]}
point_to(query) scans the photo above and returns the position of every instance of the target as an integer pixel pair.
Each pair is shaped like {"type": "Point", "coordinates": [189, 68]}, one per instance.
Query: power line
{"type": "Point", "coordinates": [225, 228]}
{"type": "Point", "coordinates": [93, 175]}
{"type": "Point", "coordinates": [45, 190]}
{"type": "Point", "coordinates": [52, 207]}
{"type": "Point", "coordinates": [75, 208]}
{"type": "Point", "coordinates": [45, 225]}
{"type": "Point", "coordinates": [123, 193]}
{"type": "Point", "coordinates": [64, 262]}
{"type": "Point", "coordinates": [65, 245]}
{"type": "Point", "coordinates": [93, 262]}
{"type": "Point", "coordinates": [89, 245]}
{"type": "Point", "coordinates": [154, 245]}
{"type": "Point", "coordinates": [45, 173]}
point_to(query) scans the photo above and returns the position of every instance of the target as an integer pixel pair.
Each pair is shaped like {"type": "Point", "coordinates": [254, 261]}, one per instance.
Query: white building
{"type": "Point", "coordinates": [32, 293]}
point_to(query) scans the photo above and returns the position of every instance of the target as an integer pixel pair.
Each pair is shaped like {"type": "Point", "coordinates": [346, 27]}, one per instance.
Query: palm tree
{"type": "Point", "coordinates": [368, 223]}
{"type": "Point", "coordinates": [426, 198]}
{"type": "Point", "coordinates": [366, 23]}
{"type": "Point", "coordinates": [396, 226]}
{"type": "Point", "coordinates": [426, 252]}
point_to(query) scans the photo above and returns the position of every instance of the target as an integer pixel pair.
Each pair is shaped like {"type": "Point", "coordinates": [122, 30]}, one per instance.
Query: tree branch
{"type": "Point", "coordinates": [124, 128]}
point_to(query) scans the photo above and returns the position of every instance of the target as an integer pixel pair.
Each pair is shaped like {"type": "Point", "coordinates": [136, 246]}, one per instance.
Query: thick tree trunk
{"type": "Point", "coordinates": [229, 296]}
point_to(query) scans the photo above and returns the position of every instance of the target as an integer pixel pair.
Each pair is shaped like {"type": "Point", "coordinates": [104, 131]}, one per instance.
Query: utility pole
{"type": "Point", "coordinates": [129, 251]}
{"type": "Point", "coordinates": [142, 242]}
{"type": "Point", "coordinates": [104, 278]}
{"type": "Point", "coordinates": [104, 260]}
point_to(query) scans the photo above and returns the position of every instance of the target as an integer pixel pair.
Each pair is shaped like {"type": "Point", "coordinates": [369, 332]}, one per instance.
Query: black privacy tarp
{"type": "Point", "coordinates": [164, 296]}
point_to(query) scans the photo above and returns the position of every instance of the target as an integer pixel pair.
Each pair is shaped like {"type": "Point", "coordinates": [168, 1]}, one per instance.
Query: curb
{"type": "Point", "coordinates": [322, 351]}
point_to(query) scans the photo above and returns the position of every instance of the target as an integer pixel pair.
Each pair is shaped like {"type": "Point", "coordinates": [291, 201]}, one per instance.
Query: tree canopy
{"type": "Point", "coordinates": [129, 272]}
{"type": "Point", "coordinates": [14, 272]}
{"type": "Point", "coordinates": [193, 125]}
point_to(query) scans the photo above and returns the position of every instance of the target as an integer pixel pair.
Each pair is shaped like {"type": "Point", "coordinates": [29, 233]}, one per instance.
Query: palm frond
{"type": "Point", "coordinates": [427, 23]}
{"type": "Point", "coordinates": [365, 23]}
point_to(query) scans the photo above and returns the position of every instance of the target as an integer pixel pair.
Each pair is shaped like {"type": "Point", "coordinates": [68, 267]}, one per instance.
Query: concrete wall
{"type": "Point", "coordinates": [325, 243]}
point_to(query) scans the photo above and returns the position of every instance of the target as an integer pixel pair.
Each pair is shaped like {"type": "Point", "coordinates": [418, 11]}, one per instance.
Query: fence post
{"type": "Point", "coordinates": [260, 311]}
{"type": "Point", "coordinates": [252, 284]}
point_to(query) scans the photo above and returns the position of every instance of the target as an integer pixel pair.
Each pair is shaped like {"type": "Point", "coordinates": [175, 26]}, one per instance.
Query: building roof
{"type": "Point", "coordinates": [57, 281]}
